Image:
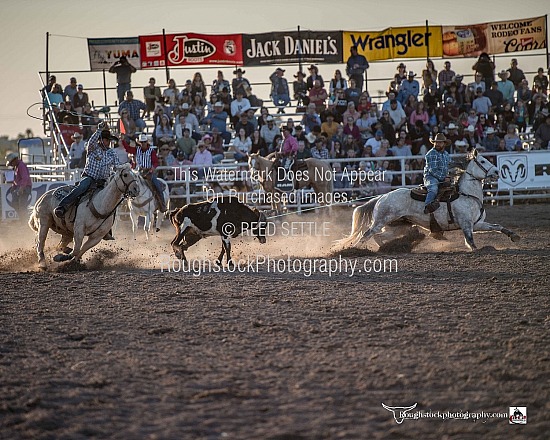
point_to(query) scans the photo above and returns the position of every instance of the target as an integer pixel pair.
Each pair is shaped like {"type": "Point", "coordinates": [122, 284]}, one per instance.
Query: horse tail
{"type": "Point", "coordinates": [361, 221]}
{"type": "Point", "coordinates": [33, 224]}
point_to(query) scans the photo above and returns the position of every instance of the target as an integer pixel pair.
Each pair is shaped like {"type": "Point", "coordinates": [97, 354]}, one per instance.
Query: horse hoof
{"type": "Point", "coordinates": [218, 263]}
{"type": "Point", "coordinates": [61, 257]}
{"type": "Point", "coordinates": [42, 265]}
{"type": "Point", "coordinates": [515, 238]}
{"type": "Point", "coordinates": [230, 264]}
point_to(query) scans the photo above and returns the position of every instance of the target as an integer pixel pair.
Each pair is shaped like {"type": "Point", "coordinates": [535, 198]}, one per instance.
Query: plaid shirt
{"type": "Point", "coordinates": [320, 154]}
{"type": "Point", "coordinates": [437, 164]}
{"type": "Point", "coordinates": [99, 161]}
{"type": "Point", "coordinates": [133, 107]}
{"type": "Point", "coordinates": [446, 77]}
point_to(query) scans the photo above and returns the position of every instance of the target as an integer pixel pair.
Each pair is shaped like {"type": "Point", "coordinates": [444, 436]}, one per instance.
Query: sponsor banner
{"type": "Point", "coordinates": [104, 52]}
{"type": "Point", "coordinates": [190, 49]}
{"type": "Point", "coordinates": [403, 42]}
{"type": "Point", "coordinates": [292, 47]}
{"type": "Point", "coordinates": [494, 38]}
{"type": "Point", "coordinates": [38, 188]}
{"type": "Point", "coordinates": [524, 171]}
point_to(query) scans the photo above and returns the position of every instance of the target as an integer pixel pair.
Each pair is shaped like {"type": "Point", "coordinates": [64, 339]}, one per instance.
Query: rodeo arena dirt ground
{"type": "Point", "coordinates": [129, 346]}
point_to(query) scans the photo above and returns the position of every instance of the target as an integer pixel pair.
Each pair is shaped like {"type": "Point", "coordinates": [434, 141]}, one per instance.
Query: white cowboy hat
{"type": "Point", "coordinates": [311, 138]}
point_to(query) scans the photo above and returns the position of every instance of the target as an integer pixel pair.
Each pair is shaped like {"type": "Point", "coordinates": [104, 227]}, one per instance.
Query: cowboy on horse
{"type": "Point", "coordinates": [435, 170]}
{"type": "Point", "coordinates": [146, 161]}
{"type": "Point", "coordinates": [100, 159]}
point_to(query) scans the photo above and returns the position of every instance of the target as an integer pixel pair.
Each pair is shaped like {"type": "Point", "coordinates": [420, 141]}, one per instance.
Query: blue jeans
{"type": "Point", "coordinates": [158, 185]}
{"type": "Point", "coordinates": [280, 100]}
{"type": "Point", "coordinates": [77, 191]}
{"type": "Point", "coordinates": [432, 185]}
{"type": "Point", "coordinates": [121, 90]}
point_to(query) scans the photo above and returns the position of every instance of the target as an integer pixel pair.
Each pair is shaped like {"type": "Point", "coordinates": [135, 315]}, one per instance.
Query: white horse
{"type": "Point", "coordinates": [93, 218]}
{"type": "Point", "coordinates": [468, 213]}
{"type": "Point", "coordinates": [145, 205]}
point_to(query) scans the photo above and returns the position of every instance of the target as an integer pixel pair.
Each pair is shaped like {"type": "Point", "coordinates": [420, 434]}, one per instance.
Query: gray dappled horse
{"type": "Point", "coordinates": [371, 218]}
{"type": "Point", "coordinates": [93, 218]}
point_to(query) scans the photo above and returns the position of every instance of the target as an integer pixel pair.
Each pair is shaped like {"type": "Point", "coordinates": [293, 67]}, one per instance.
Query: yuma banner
{"type": "Point", "coordinates": [410, 42]}
{"type": "Point", "coordinates": [104, 52]}
{"type": "Point", "coordinates": [292, 47]}
{"type": "Point", "coordinates": [190, 49]}
{"type": "Point", "coordinates": [493, 38]}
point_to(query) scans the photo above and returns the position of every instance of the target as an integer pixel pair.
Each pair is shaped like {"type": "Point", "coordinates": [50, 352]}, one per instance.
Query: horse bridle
{"type": "Point", "coordinates": [126, 185]}
{"type": "Point", "coordinates": [480, 165]}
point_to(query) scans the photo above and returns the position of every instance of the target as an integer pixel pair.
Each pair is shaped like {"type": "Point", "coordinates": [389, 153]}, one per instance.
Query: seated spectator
{"type": "Point", "coordinates": [481, 104]}
{"type": "Point", "coordinates": [218, 119]}
{"type": "Point", "coordinates": [351, 129]}
{"type": "Point", "coordinates": [217, 155]}
{"type": "Point", "coordinates": [351, 111]}
{"type": "Point", "coordinates": [70, 90]}
{"type": "Point", "coordinates": [121, 152]}
{"type": "Point", "coordinates": [68, 115]}
{"type": "Point", "coordinates": [337, 82]}
{"type": "Point", "coordinates": [511, 138]}
{"type": "Point", "coordinates": [151, 95]}
{"type": "Point", "coordinates": [80, 99]}
{"type": "Point", "coordinates": [318, 96]}
{"type": "Point", "coordinates": [171, 95]}
{"type": "Point", "coordinates": [187, 145]}
{"type": "Point", "coordinates": [239, 82]}
{"type": "Point", "coordinates": [259, 146]}
{"type": "Point", "coordinates": [299, 89]}
{"type": "Point", "coordinates": [135, 108]}
{"type": "Point", "coordinates": [410, 106]}
{"type": "Point", "coordinates": [340, 105]}
{"type": "Point", "coordinates": [164, 133]}
{"type": "Point", "coordinates": [197, 86]}
{"type": "Point", "coordinates": [365, 102]}
{"type": "Point", "coordinates": [217, 142]}
{"type": "Point", "coordinates": [320, 151]}
{"type": "Point", "coordinates": [190, 118]}
{"type": "Point", "coordinates": [219, 83]}
{"type": "Point", "coordinates": [391, 97]}
{"type": "Point", "coordinates": [127, 126]}
{"type": "Point", "coordinates": [471, 137]}
{"type": "Point", "coordinates": [521, 115]}
{"type": "Point", "coordinates": [269, 131]}
{"type": "Point", "coordinates": [376, 141]}
{"type": "Point", "coordinates": [185, 96]}
{"type": "Point", "coordinates": [242, 145]}
{"type": "Point", "coordinates": [383, 150]}
{"type": "Point", "coordinates": [313, 76]}
{"type": "Point", "coordinates": [239, 106]}
{"type": "Point", "coordinates": [198, 107]}
{"type": "Point", "coordinates": [77, 157]}
{"type": "Point", "coordinates": [245, 124]}
{"type": "Point", "coordinates": [202, 157]}
{"type": "Point", "coordinates": [352, 93]}
{"type": "Point", "coordinates": [303, 152]}
{"type": "Point", "coordinates": [490, 142]}
{"type": "Point", "coordinates": [524, 92]}
{"type": "Point", "coordinates": [496, 97]}
{"type": "Point", "coordinates": [279, 90]}
{"type": "Point", "coordinates": [55, 96]}
{"type": "Point", "coordinates": [408, 87]}
{"type": "Point", "coordinates": [364, 123]}
{"type": "Point", "coordinates": [542, 134]}
{"type": "Point", "coordinates": [310, 118]}
{"type": "Point", "coordinates": [540, 80]}
{"type": "Point", "coordinates": [329, 126]}
{"type": "Point", "coordinates": [397, 115]}
{"type": "Point", "coordinates": [419, 114]}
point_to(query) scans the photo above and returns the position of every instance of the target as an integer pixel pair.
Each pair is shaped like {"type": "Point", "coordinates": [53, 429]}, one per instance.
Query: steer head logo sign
{"type": "Point", "coordinates": [513, 169]}
{"type": "Point", "coordinates": [399, 411]}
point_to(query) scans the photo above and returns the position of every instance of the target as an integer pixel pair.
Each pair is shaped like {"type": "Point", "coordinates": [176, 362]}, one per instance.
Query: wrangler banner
{"type": "Point", "coordinates": [104, 52]}
{"type": "Point", "coordinates": [494, 38]}
{"type": "Point", "coordinates": [292, 47]}
{"type": "Point", "coordinates": [405, 42]}
{"type": "Point", "coordinates": [189, 49]}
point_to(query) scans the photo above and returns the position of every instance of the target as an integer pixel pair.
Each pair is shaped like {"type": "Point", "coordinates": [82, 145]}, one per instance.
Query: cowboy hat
{"type": "Point", "coordinates": [106, 134]}
{"type": "Point", "coordinates": [239, 70]}
{"type": "Point", "coordinates": [76, 135]}
{"type": "Point", "coordinates": [440, 137]}
{"type": "Point", "coordinates": [299, 73]}
{"type": "Point", "coordinates": [310, 137]}
{"type": "Point", "coordinates": [504, 73]}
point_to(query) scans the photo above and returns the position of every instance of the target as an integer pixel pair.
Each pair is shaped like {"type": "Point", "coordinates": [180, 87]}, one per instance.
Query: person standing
{"type": "Point", "coordinates": [356, 66]}
{"type": "Point", "coordinates": [152, 95]}
{"type": "Point", "coordinates": [22, 185]}
{"type": "Point", "coordinates": [123, 70]}
{"type": "Point", "coordinates": [279, 90]}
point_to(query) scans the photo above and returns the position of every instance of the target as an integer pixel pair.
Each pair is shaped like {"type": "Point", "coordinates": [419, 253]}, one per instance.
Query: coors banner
{"type": "Point", "coordinates": [494, 38]}
{"type": "Point", "coordinates": [292, 47]}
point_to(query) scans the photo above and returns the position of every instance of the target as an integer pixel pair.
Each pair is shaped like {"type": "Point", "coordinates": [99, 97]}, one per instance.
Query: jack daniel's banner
{"type": "Point", "coordinates": [187, 49]}
{"type": "Point", "coordinates": [292, 47]}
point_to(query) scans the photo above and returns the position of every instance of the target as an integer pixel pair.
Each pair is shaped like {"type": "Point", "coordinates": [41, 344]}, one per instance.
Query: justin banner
{"type": "Point", "coordinates": [409, 42]}
{"type": "Point", "coordinates": [104, 52]}
{"type": "Point", "coordinates": [292, 47]}
{"type": "Point", "coordinates": [494, 38]}
{"type": "Point", "coordinates": [190, 49]}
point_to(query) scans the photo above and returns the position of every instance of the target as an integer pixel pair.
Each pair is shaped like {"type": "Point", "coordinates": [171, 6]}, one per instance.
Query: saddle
{"type": "Point", "coordinates": [284, 174]}
{"type": "Point", "coordinates": [149, 182]}
{"type": "Point", "coordinates": [447, 192]}
{"type": "Point", "coordinates": [61, 192]}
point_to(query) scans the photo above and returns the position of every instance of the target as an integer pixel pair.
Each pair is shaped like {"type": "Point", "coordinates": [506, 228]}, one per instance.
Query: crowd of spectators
{"type": "Point", "coordinates": [334, 119]}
